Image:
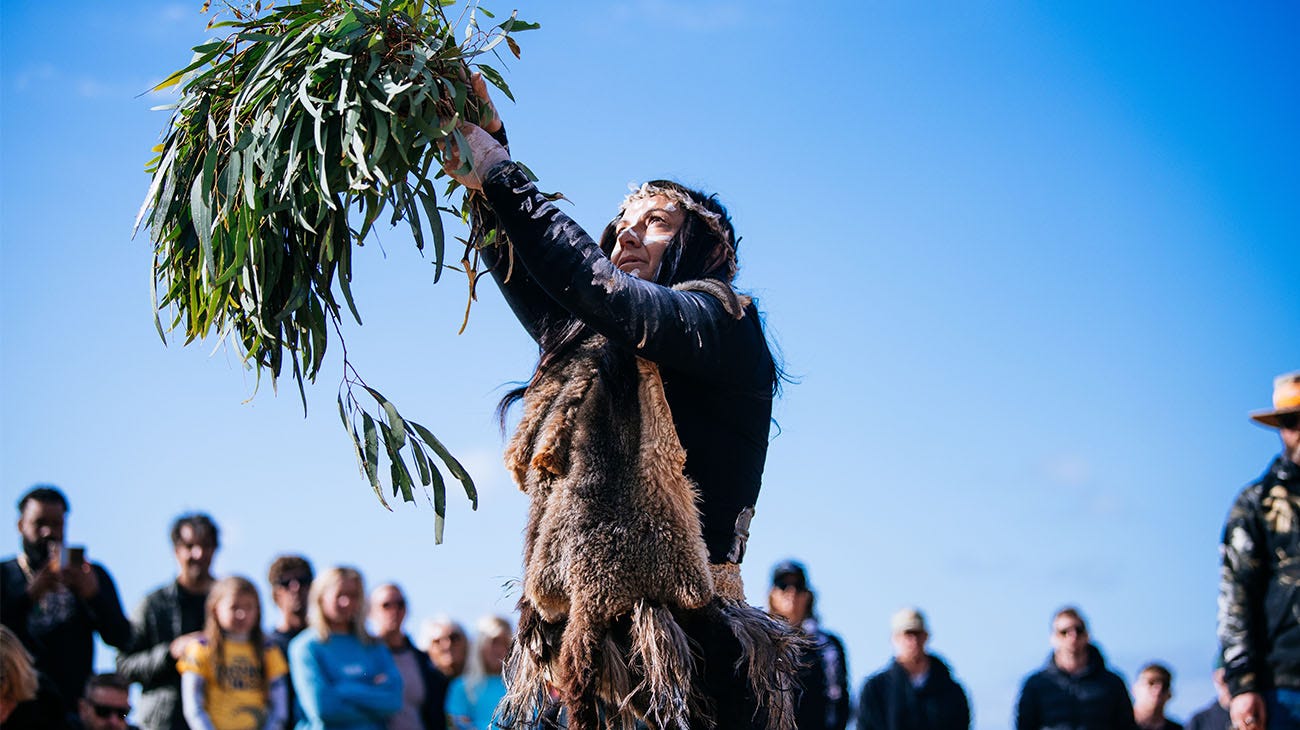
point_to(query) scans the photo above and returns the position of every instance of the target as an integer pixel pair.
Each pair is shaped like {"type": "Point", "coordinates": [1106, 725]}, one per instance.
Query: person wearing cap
{"type": "Point", "coordinates": [1074, 690]}
{"type": "Point", "coordinates": [1259, 588]}
{"type": "Point", "coordinates": [917, 690]}
{"type": "Point", "coordinates": [823, 675]}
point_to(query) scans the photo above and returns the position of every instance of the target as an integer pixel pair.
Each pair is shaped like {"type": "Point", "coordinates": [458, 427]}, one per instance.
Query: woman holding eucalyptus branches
{"type": "Point", "coordinates": [641, 445]}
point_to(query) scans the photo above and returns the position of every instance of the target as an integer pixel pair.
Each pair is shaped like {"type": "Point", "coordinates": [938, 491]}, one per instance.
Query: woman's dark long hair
{"type": "Point", "coordinates": [696, 251]}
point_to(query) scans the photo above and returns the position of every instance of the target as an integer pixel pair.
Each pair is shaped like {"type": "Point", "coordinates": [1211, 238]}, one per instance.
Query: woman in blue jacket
{"type": "Point", "coordinates": [344, 678]}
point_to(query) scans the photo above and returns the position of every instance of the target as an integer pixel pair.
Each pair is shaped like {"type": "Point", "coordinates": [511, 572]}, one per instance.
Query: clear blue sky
{"type": "Point", "coordinates": [1031, 263]}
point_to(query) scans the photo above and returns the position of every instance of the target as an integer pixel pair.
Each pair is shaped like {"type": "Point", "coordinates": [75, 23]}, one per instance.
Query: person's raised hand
{"type": "Point", "coordinates": [484, 151]}
{"type": "Point", "coordinates": [82, 580]}
{"type": "Point", "coordinates": [489, 119]}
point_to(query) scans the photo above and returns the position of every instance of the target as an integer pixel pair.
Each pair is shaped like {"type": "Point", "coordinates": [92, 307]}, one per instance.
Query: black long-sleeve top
{"type": "Point", "coordinates": [717, 370]}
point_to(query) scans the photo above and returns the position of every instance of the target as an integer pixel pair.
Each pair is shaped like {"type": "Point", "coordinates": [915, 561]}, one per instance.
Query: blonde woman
{"type": "Point", "coordinates": [473, 697]}
{"type": "Point", "coordinates": [17, 678]}
{"type": "Point", "coordinates": [344, 679]}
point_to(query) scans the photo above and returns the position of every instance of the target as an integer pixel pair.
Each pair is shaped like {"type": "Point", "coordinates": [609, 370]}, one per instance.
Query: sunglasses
{"type": "Point", "coordinates": [1289, 421]}
{"type": "Point", "coordinates": [104, 712]}
{"type": "Point", "coordinates": [393, 604]}
{"type": "Point", "coordinates": [782, 584]}
{"type": "Point", "coordinates": [1077, 630]}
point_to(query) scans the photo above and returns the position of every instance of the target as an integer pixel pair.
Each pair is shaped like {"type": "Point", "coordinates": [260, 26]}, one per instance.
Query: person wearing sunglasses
{"type": "Point", "coordinates": [424, 688]}
{"type": "Point", "coordinates": [823, 673]}
{"type": "Point", "coordinates": [105, 704]}
{"type": "Point", "coordinates": [290, 577]}
{"type": "Point", "coordinates": [1259, 588]}
{"type": "Point", "coordinates": [1074, 689]}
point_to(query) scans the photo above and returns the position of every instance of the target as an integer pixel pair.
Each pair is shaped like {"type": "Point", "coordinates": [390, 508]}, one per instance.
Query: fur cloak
{"type": "Point", "coordinates": [615, 561]}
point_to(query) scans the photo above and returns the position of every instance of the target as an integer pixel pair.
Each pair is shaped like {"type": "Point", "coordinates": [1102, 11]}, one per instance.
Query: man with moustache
{"type": "Point", "coordinates": [1259, 588]}
{"type": "Point", "coordinates": [53, 608]}
{"type": "Point", "coordinates": [167, 621]}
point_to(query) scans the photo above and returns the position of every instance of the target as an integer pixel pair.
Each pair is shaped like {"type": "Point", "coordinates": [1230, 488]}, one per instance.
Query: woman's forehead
{"type": "Point", "coordinates": [637, 207]}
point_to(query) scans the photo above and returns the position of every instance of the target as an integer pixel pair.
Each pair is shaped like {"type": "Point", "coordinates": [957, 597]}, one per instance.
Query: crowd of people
{"type": "Point", "coordinates": [340, 658]}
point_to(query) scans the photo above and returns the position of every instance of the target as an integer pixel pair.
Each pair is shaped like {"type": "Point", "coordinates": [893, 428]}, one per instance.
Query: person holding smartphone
{"type": "Point", "coordinates": [54, 600]}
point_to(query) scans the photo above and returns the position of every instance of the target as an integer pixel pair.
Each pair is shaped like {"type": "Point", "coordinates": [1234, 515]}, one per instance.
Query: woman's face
{"type": "Point", "coordinates": [495, 651]}
{"type": "Point", "coordinates": [341, 603]}
{"type": "Point", "coordinates": [237, 613]}
{"type": "Point", "coordinates": [643, 233]}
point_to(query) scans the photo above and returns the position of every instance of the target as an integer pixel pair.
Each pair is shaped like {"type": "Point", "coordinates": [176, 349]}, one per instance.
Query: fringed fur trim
{"type": "Point", "coordinates": [662, 657]}
{"type": "Point", "coordinates": [769, 656]}
{"type": "Point", "coordinates": [732, 303]}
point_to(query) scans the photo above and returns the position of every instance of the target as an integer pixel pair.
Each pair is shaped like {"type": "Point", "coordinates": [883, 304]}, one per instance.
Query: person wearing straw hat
{"type": "Point", "coordinates": [1259, 592]}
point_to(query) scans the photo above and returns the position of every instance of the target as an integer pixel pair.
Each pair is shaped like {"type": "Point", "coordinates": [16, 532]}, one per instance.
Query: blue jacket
{"type": "Point", "coordinates": [343, 684]}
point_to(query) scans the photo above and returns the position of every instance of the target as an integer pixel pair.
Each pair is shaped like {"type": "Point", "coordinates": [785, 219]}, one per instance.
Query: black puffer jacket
{"type": "Point", "coordinates": [1259, 588]}
{"type": "Point", "coordinates": [1095, 699]}
{"type": "Point", "coordinates": [890, 702]}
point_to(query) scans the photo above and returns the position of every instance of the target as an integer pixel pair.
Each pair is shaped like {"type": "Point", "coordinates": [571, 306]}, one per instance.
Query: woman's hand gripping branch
{"type": "Point", "coordinates": [484, 151]}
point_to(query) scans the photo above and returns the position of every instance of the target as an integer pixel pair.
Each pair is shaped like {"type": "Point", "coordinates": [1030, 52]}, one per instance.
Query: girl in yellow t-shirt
{"type": "Point", "coordinates": [233, 678]}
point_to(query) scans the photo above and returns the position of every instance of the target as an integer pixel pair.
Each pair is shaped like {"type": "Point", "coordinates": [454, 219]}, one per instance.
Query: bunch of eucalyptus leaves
{"type": "Point", "coordinates": [293, 135]}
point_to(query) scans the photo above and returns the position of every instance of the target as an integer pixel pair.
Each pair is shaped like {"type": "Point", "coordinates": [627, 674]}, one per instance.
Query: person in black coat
{"type": "Point", "coordinates": [1214, 716]}
{"type": "Point", "coordinates": [57, 603]}
{"type": "Point", "coordinates": [1074, 690]}
{"type": "Point", "coordinates": [917, 690]}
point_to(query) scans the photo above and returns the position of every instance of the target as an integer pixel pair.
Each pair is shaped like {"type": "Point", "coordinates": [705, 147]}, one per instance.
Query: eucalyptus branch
{"type": "Point", "coordinates": [305, 118]}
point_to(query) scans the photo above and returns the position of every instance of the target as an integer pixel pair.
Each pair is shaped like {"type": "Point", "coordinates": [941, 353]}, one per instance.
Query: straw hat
{"type": "Point", "coordinates": [1286, 399]}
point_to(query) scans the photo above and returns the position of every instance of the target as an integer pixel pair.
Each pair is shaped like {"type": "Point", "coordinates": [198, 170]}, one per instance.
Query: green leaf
{"type": "Point", "coordinates": [453, 465]}
{"type": "Point", "coordinates": [494, 76]}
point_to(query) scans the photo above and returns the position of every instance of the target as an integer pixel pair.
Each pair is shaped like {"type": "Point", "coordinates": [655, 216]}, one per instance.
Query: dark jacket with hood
{"type": "Point", "coordinates": [890, 702]}
{"type": "Point", "coordinates": [1095, 699]}
{"type": "Point", "coordinates": [1259, 588]}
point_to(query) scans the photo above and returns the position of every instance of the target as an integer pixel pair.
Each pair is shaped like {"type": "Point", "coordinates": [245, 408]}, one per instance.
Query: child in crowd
{"type": "Point", "coordinates": [233, 678]}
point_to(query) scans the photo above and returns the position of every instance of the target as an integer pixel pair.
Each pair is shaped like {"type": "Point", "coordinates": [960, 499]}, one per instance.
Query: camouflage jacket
{"type": "Point", "coordinates": [1259, 588]}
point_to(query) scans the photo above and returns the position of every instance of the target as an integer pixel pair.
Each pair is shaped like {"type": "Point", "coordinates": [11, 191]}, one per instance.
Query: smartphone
{"type": "Point", "coordinates": [76, 556]}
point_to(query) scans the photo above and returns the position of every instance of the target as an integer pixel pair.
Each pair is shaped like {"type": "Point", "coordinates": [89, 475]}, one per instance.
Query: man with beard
{"type": "Point", "coordinates": [916, 691]}
{"type": "Point", "coordinates": [167, 621]}
{"type": "Point", "coordinates": [290, 577]}
{"type": "Point", "coordinates": [53, 607]}
{"type": "Point", "coordinates": [1075, 691]}
{"type": "Point", "coordinates": [1259, 588]}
